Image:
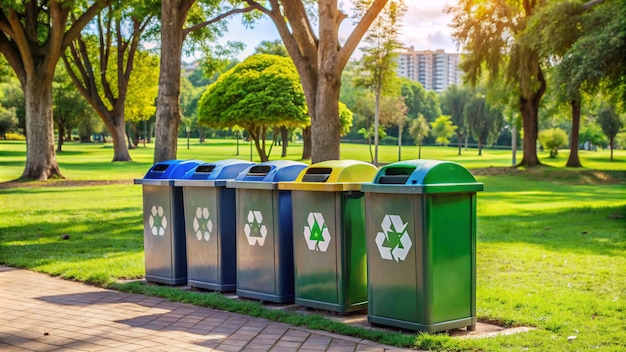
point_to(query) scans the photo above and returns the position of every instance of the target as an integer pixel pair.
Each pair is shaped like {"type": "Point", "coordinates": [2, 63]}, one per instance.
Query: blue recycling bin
{"type": "Point", "coordinates": [264, 231]}
{"type": "Point", "coordinates": [210, 224]}
{"type": "Point", "coordinates": [163, 225]}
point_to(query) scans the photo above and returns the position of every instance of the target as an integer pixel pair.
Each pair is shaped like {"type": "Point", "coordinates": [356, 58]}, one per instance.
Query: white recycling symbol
{"type": "Point", "coordinates": [157, 221]}
{"type": "Point", "coordinates": [394, 242]}
{"type": "Point", "coordinates": [316, 233]}
{"type": "Point", "coordinates": [255, 230]}
{"type": "Point", "coordinates": [202, 225]}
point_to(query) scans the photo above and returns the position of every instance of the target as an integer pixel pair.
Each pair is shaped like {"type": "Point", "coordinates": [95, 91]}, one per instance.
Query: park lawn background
{"type": "Point", "coordinates": [551, 249]}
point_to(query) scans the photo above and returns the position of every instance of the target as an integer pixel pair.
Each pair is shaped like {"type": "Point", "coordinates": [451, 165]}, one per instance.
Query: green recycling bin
{"type": "Point", "coordinates": [329, 235]}
{"type": "Point", "coordinates": [421, 246]}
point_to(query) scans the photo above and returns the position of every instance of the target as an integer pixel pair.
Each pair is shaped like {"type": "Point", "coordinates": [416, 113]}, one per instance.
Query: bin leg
{"type": "Point", "coordinates": [471, 327]}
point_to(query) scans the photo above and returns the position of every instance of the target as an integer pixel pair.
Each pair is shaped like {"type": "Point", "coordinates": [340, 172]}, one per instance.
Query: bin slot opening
{"type": "Point", "coordinates": [396, 175]}
{"type": "Point", "coordinates": [160, 167]}
{"type": "Point", "coordinates": [317, 174]}
{"type": "Point", "coordinates": [205, 169]}
{"type": "Point", "coordinates": [259, 170]}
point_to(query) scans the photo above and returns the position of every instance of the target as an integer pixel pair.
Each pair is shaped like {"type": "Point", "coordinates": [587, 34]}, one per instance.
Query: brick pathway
{"type": "Point", "coordinates": [41, 313]}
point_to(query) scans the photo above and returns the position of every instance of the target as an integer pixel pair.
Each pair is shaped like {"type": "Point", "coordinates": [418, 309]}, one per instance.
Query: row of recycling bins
{"type": "Point", "coordinates": [399, 241]}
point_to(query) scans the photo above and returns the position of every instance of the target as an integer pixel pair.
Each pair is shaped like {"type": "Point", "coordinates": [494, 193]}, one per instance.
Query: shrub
{"type": "Point", "coordinates": [552, 140]}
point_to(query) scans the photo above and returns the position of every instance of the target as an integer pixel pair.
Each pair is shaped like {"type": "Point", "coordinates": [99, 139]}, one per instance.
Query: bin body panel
{"type": "Point", "coordinates": [394, 292]}
{"type": "Point", "coordinates": [256, 255]}
{"type": "Point", "coordinates": [211, 254]}
{"type": "Point", "coordinates": [165, 258]}
{"type": "Point", "coordinates": [316, 276]}
{"type": "Point", "coordinates": [330, 260]}
{"type": "Point", "coordinates": [449, 222]}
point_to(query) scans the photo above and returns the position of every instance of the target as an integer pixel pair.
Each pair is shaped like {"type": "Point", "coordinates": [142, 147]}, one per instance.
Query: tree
{"type": "Point", "coordinates": [611, 124]}
{"type": "Point", "coordinates": [483, 121]}
{"type": "Point", "coordinates": [453, 103]}
{"type": "Point", "coordinates": [275, 47]}
{"type": "Point", "coordinates": [260, 93]}
{"type": "Point", "coordinates": [319, 58]}
{"type": "Point", "coordinates": [419, 129]}
{"type": "Point", "coordinates": [419, 101]}
{"type": "Point", "coordinates": [378, 64]}
{"type": "Point", "coordinates": [175, 27]}
{"type": "Point", "coordinates": [489, 31]}
{"type": "Point", "coordinates": [8, 121]}
{"type": "Point", "coordinates": [442, 128]}
{"type": "Point", "coordinates": [553, 139]}
{"type": "Point", "coordinates": [101, 65]}
{"type": "Point", "coordinates": [69, 107]}
{"type": "Point", "coordinates": [33, 36]}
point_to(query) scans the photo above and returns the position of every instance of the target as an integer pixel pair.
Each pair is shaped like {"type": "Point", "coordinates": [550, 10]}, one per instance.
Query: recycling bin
{"type": "Point", "coordinates": [163, 225]}
{"type": "Point", "coordinates": [329, 235]}
{"type": "Point", "coordinates": [264, 231]}
{"type": "Point", "coordinates": [210, 224]}
{"type": "Point", "coordinates": [421, 246]}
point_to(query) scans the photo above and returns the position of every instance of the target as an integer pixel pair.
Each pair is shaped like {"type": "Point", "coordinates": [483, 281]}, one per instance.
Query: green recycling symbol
{"type": "Point", "coordinates": [157, 221]}
{"type": "Point", "coordinates": [316, 233]}
{"type": "Point", "coordinates": [394, 242]}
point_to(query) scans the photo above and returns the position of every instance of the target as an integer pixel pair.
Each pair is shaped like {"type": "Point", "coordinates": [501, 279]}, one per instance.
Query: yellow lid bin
{"type": "Point", "coordinates": [330, 265]}
{"type": "Point", "coordinates": [332, 176]}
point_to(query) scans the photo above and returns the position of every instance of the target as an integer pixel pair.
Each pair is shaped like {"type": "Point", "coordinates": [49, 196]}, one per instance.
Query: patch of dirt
{"type": "Point", "coordinates": [61, 183]}
{"type": "Point", "coordinates": [558, 175]}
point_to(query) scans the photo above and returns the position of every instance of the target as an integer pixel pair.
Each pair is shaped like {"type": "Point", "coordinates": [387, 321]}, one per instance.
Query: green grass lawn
{"type": "Point", "coordinates": [551, 241]}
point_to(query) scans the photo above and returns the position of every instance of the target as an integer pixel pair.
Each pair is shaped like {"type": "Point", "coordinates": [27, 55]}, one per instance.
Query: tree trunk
{"type": "Point", "coordinates": [529, 108]}
{"type": "Point", "coordinates": [168, 110]}
{"type": "Point", "coordinates": [376, 125]}
{"type": "Point", "coordinates": [399, 141]}
{"type": "Point", "coordinates": [306, 140]}
{"type": "Point", "coordinates": [118, 134]}
{"type": "Point", "coordinates": [325, 129]}
{"type": "Point", "coordinates": [459, 138]}
{"type": "Point", "coordinates": [611, 140]}
{"type": "Point", "coordinates": [61, 129]}
{"type": "Point", "coordinates": [41, 161]}
{"type": "Point", "coordinates": [573, 160]}
{"type": "Point", "coordinates": [284, 136]}
{"type": "Point", "coordinates": [480, 147]}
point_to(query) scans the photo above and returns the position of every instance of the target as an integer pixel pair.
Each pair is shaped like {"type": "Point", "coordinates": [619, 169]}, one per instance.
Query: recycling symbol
{"type": "Point", "coordinates": [202, 225]}
{"type": "Point", "coordinates": [255, 231]}
{"type": "Point", "coordinates": [394, 242]}
{"type": "Point", "coordinates": [316, 233]}
{"type": "Point", "coordinates": [157, 221]}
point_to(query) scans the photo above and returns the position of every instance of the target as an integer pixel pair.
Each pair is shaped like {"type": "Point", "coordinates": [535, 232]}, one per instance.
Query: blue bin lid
{"type": "Point", "coordinates": [171, 169]}
{"type": "Point", "coordinates": [218, 170]}
{"type": "Point", "coordinates": [272, 171]}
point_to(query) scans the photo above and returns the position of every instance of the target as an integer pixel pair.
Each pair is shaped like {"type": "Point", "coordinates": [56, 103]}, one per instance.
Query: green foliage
{"type": "Point", "coordinates": [484, 121]}
{"type": "Point", "coordinates": [262, 92]}
{"type": "Point", "coordinates": [420, 101]}
{"type": "Point", "coordinates": [345, 118]}
{"type": "Point", "coordinates": [8, 121]}
{"type": "Point", "coordinates": [443, 129]}
{"type": "Point", "coordinates": [419, 129]}
{"type": "Point", "coordinates": [275, 47]}
{"type": "Point", "coordinates": [611, 123]}
{"type": "Point", "coordinates": [552, 140]}
{"type": "Point", "coordinates": [142, 88]}
{"type": "Point", "coordinates": [592, 133]}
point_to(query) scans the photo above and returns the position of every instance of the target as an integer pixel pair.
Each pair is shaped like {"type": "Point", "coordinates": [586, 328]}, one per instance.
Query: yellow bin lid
{"type": "Point", "coordinates": [332, 176]}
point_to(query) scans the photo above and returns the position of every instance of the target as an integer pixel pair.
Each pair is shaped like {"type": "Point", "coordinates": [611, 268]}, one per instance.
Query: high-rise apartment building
{"type": "Point", "coordinates": [435, 70]}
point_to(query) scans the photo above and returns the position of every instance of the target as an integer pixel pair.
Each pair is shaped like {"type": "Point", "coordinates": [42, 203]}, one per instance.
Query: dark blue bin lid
{"type": "Point", "coordinates": [171, 169]}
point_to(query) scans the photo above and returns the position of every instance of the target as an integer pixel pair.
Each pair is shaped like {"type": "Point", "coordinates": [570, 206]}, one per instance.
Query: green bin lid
{"type": "Point", "coordinates": [423, 176]}
{"type": "Point", "coordinates": [332, 176]}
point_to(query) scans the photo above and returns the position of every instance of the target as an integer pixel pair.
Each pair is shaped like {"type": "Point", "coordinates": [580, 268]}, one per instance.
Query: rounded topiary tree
{"type": "Point", "coordinates": [259, 94]}
{"type": "Point", "coordinates": [552, 140]}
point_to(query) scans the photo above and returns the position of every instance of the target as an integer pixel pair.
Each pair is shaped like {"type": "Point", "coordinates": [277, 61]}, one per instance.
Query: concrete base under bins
{"type": "Point", "coordinates": [333, 307]}
{"type": "Point", "coordinates": [470, 323]}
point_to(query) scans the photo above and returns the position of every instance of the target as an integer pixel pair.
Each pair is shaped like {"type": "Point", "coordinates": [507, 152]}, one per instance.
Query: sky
{"type": "Point", "coordinates": [425, 27]}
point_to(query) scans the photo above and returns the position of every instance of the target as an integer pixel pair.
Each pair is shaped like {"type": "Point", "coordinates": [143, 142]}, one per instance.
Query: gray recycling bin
{"type": "Point", "coordinates": [210, 224]}
{"type": "Point", "coordinates": [329, 235]}
{"type": "Point", "coordinates": [264, 232]}
{"type": "Point", "coordinates": [421, 246]}
{"type": "Point", "coordinates": [163, 225]}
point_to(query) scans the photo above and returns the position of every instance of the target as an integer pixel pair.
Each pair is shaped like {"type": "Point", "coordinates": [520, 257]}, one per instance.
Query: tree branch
{"type": "Point", "coordinates": [20, 40]}
{"type": "Point", "coordinates": [216, 19]}
{"type": "Point", "coordinates": [82, 21]}
{"type": "Point", "coordinates": [12, 54]}
{"type": "Point", "coordinates": [591, 3]}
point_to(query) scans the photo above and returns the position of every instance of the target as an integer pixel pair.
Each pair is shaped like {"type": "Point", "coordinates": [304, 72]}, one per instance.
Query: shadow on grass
{"type": "Point", "coordinates": [585, 230]}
